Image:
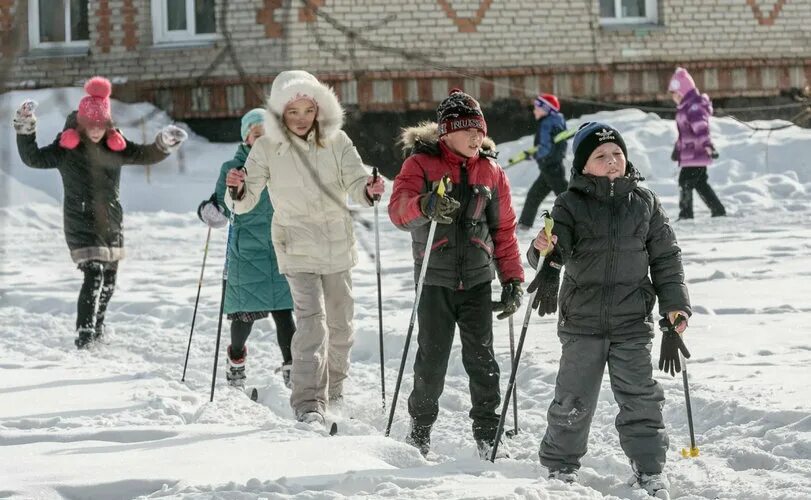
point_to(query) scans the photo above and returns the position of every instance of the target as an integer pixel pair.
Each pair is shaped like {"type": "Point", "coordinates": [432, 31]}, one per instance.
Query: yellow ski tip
{"type": "Point", "coordinates": [689, 453]}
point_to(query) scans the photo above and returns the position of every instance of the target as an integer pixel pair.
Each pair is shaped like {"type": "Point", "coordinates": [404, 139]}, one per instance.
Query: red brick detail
{"type": "Point", "coordinates": [754, 78]}
{"type": "Point", "coordinates": [466, 24]}
{"type": "Point", "coordinates": [398, 91]}
{"type": "Point", "coordinates": [218, 99]}
{"type": "Point", "coordinates": [6, 28]}
{"type": "Point", "coordinates": [307, 14]}
{"type": "Point", "coordinates": [104, 26]}
{"type": "Point", "coordinates": [129, 12]}
{"type": "Point", "coordinates": [783, 77]}
{"type": "Point", "coordinates": [635, 83]}
{"type": "Point", "coordinates": [264, 16]}
{"type": "Point", "coordinates": [724, 78]}
{"type": "Point", "coordinates": [457, 83]}
{"type": "Point", "coordinates": [606, 82]}
{"type": "Point", "coordinates": [766, 21]}
{"type": "Point", "coordinates": [425, 90]}
{"type": "Point", "coordinates": [365, 92]}
{"type": "Point", "coordinates": [546, 84]}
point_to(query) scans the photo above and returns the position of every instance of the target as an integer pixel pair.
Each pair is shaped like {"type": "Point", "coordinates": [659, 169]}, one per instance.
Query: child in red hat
{"type": "Point", "coordinates": [89, 154]}
{"type": "Point", "coordinates": [549, 154]}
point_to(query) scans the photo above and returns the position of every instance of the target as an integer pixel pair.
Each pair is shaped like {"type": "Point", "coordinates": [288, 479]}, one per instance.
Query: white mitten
{"type": "Point", "coordinates": [24, 122]}
{"type": "Point", "coordinates": [210, 213]}
{"type": "Point", "coordinates": [170, 138]}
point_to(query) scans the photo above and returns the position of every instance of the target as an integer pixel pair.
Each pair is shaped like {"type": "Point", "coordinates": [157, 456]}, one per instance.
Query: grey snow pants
{"type": "Point", "coordinates": [639, 397]}
{"type": "Point", "coordinates": [324, 309]}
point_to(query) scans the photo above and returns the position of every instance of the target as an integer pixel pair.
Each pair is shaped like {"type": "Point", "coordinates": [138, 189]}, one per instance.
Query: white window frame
{"type": "Point", "coordinates": [161, 33]}
{"type": "Point", "coordinates": [33, 29]}
{"type": "Point", "coordinates": [651, 7]}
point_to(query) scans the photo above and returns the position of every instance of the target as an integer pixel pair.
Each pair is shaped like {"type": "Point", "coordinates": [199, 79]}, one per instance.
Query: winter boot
{"type": "Point", "coordinates": [99, 333]}
{"type": "Point", "coordinates": [656, 485]}
{"type": "Point", "coordinates": [485, 449]}
{"type": "Point", "coordinates": [311, 417]}
{"type": "Point", "coordinates": [236, 368]}
{"type": "Point", "coordinates": [568, 476]}
{"type": "Point", "coordinates": [286, 369]}
{"type": "Point", "coordinates": [84, 339]}
{"type": "Point", "coordinates": [420, 438]}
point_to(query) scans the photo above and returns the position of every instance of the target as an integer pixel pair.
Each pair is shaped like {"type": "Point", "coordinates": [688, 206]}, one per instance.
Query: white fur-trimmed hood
{"type": "Point", "coordinates": [287, 86]}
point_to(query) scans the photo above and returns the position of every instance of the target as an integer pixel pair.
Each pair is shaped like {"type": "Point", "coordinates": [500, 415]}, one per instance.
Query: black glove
{"type": "Point", "coordinates": [438, 208]}
{"type": "Point", "coordinates": [672, 343]}
{"type": "Point", "coordinates": [511, 294]}
{"type": "Point", "coordinates": [547, 282]}
{"type": "Point", "coordinates": [674, 155]}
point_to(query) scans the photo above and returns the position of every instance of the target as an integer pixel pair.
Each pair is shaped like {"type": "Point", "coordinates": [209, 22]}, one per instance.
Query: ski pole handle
{"type": "Point", "coordinates": [548, 224]}
{"type": "Point", "coordinates": [234, 191]}
{"type": "Point", "coordinates": [375, 175]}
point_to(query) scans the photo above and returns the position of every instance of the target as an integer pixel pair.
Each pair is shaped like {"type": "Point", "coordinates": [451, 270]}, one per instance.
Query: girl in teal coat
{"type": "Point", "coordinates": [255, 288]}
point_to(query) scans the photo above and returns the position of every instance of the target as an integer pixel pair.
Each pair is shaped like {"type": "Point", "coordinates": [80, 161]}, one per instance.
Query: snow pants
{"type": "Point", "coordinates": [639, 397]}
{"type": "Point", "coordinates": [285, 328]}
{"type": "Point", "coordinates": [552, 178]}
{"type": "Point", "coordinates": [440, 310]}
{"type": "Point", "coordinates": [691, 178]}
{"type": "Point", "coordinates": [324, 308]}
{"type": "Point", "coordinates": [97, 290]}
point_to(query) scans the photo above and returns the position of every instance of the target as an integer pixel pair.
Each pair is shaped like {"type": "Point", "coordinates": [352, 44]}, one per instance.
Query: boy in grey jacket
{"type": "Point", "coordinates": [620, 254]}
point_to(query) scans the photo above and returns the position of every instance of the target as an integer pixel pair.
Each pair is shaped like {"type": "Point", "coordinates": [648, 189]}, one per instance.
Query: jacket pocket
{"type": "Point", "coordinates": [438, 245]}
{"type": "Point", "coordinates": [483, 245]}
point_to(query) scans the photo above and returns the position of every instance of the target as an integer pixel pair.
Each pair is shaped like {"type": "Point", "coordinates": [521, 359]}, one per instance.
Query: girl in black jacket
{"type": "Point", "coordinates": [89, 155]}
{"type": "Point", "coordinates": [620, 255]}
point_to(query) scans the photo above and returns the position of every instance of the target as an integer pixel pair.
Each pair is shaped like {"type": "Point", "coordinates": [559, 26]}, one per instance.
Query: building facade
{"type": "Point", "coordinates": [217, 58]}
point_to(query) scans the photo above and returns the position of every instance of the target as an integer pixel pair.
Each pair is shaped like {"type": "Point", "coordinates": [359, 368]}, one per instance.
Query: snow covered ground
{"type": "Point", "coordinates": [116, 422]}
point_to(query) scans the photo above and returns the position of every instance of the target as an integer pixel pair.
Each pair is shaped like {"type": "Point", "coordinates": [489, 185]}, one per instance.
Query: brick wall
{"type": "Point", "coordinates": [389, 55]}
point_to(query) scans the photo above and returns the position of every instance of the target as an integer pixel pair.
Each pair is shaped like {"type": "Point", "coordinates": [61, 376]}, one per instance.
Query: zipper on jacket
{"type": "Point", "coordinates": [464, 201]}
{"type": "Point", "coordinates": [613, 235]}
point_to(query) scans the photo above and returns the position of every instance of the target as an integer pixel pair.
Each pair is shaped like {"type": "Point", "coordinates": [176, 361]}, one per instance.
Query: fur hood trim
{"type": "Point", "coordinates": [289, 86]}
{"type": "Point", "coordinates": [424, 138]}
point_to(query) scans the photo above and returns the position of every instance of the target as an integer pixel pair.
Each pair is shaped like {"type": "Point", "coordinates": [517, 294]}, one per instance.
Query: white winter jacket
{"type": "Point", "coordinates": [312, 226]}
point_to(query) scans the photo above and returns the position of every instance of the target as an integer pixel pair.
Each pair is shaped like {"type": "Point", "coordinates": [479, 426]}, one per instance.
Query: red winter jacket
{"type": "Point", "coordinates": [462, 253]}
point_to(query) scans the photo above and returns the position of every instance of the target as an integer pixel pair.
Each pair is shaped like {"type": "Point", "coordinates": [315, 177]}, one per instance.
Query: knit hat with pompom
{"type": "Point", "coordinates": [94, 111]}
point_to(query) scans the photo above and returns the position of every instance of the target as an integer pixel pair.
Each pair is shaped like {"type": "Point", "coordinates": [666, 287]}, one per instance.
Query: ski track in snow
{"type": "Point", "coordinates": [116, 422]}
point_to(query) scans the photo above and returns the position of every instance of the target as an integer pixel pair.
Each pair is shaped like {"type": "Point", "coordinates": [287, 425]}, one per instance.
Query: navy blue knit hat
{"type": "Point", "coordinates": [589, 137]}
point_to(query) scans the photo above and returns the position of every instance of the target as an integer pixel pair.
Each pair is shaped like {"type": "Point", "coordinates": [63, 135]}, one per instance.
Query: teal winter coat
{"type": "Point", "coordinates": [254, 282]}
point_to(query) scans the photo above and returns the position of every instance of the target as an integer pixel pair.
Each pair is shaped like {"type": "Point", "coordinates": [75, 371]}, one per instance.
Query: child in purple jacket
{"type": "Point", "coordinates": [693, 150]}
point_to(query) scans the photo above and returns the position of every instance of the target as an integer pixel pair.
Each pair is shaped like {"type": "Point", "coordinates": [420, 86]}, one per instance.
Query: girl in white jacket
{"type": "Point", "coordinates": [309, 166]}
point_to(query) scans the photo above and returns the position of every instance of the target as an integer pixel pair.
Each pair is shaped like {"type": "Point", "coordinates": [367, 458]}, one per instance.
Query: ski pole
{"type": "Point", "coordinates": [379, 295]}
{"type": "Point", "coordinates": [515, 387]}
{"type": "Point", "coordinates": [196, 302]}
{"type": "Point", "coordinates": [548, 224]}
{"type": "Point", "coordinates": [440, 191]}
{"type": "Point", "coordinates": [693, 451]}
{"type": "Point", "coordinates": [234, 194]}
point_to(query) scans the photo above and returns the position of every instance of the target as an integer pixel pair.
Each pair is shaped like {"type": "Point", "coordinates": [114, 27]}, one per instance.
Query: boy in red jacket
{"type": "Point", "coordinates": [475, 236]}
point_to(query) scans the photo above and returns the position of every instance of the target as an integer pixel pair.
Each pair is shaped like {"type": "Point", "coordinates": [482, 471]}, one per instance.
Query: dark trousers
{"type": "Point", "coordinates": [696, 178]}
{"type": "Point", "coordinates": [97, 290]}
{"type": "Point", "coordinates": [440, 310]}
{"type": "Point", "coordinates": [552, 178]}
{"type": "Point", "coordinates": [639, 397]}
{"type": "Point", "coordinates": [285, 328]}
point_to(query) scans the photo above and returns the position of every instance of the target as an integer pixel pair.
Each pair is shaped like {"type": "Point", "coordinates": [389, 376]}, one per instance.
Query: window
{"type": "Point", "coordinates": [629, 12]}
{"type": "Point", "coordinates": [183, 20]}
{"type": "Point", "coordinates": [57, 23]}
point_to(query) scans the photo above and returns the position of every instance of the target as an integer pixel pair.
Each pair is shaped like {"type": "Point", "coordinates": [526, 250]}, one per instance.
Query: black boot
{"type": "Point", "coordinates": [420, 437]}
{"type": "Point", "coordinates": [84, 338]}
